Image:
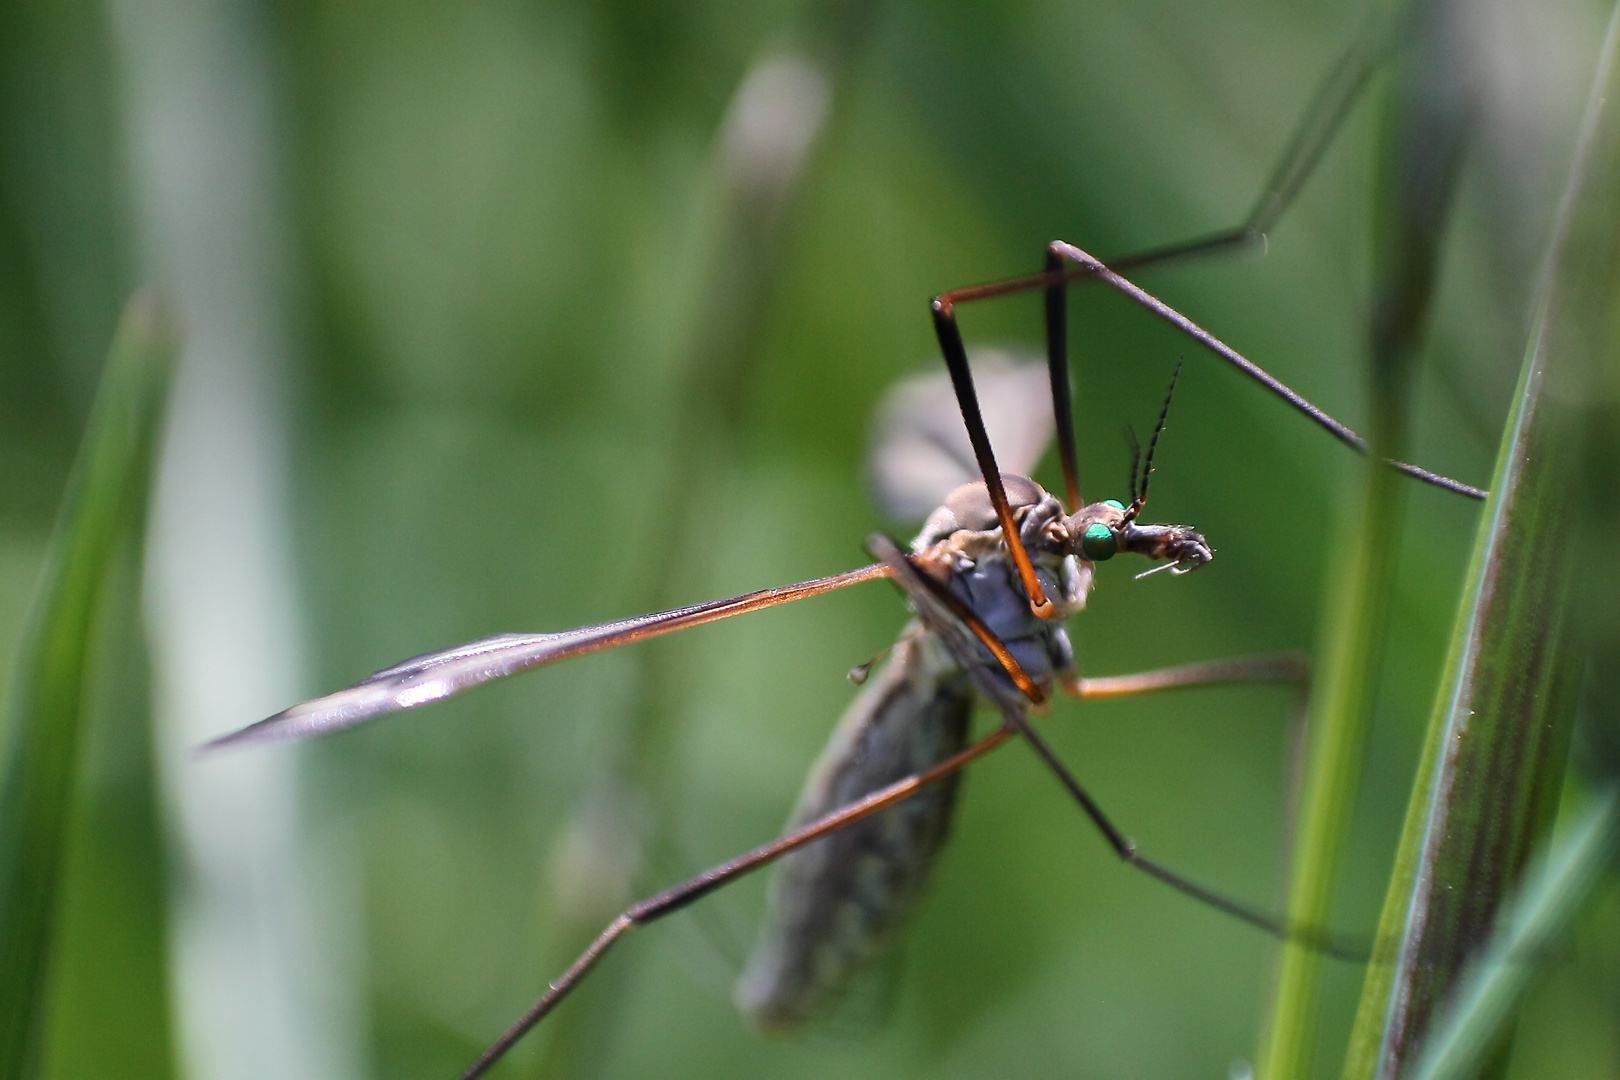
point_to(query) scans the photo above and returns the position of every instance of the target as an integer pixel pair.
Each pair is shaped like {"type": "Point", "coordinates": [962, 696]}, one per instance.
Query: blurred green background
{"type": "Point", "coordinates": [490, 330]}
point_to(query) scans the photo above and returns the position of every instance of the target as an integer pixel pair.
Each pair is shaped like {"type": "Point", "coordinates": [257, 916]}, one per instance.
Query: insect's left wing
{"type": "Point", "coordinates": [920, 451]}
{"type": "Point", "coordinates": [439, 675]}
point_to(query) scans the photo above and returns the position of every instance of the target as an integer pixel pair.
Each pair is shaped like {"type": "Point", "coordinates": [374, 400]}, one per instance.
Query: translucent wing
{"type": "Point", "coordinates": [838, 905]}
{"type": "Point", "coordinates": [439, 675]}
{"type": "Point", "coordinates": [919, 447]}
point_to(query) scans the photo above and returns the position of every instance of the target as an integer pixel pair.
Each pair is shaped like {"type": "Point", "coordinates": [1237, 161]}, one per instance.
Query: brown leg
{"type": "Point", "coordinates": [672, 900]}
{"type": "Point", "coordinates": [1057, 368]}
{"type": "Point", "coordinates": [1089, 267]}
{"type": "Point", "coordinates": [941, 613]}
{"type": "Point", "coordinates": [1310, 140]}
{"type": "Point", "coordinates": [1085, 267]}
{"type": "Point", "coordinates": [1288, 667]}
{"type": "Point", "coordinates": [1280, 928]}
{"type": "Point", "coordinates": [956, 361]}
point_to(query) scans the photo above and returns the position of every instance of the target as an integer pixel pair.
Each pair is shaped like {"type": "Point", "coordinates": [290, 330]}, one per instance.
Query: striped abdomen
{"type": "Point", "coordinates": [839, 902]}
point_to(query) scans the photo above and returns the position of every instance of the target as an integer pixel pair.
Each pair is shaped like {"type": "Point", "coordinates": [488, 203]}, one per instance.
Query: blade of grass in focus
{"type": "Point", "coordinates": [1493, 983]}
{"type": "Point", "coordinates": [1494, 756]}
{"type": "Point", "coordinates": [1423, 146]}
{"type": "Point", "coordinates": [101, 512]}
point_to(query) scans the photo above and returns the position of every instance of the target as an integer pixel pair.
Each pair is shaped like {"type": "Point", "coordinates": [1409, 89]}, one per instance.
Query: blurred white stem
{"type": "Point", "coordinates": [257, 982]}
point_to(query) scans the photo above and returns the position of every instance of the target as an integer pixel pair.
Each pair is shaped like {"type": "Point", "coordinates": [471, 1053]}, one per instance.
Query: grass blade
{"type": "Point", "coordinates": [1494, 755]}
{"type": "Point", "coordinates": [1492, 984]}
{"type": "Point", "coordinates": [103, 507]}
{"type": "Point", "coordinates": [1424, 147]}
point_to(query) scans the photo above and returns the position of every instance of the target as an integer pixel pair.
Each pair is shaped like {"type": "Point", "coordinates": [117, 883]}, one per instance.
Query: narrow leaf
{"type": "Point", "coordinates": [104, 502]}
{"type": "Point", "coordinates": [1492, 984]}
{"type": "Point", "coordinates": [1494, 756]}
{"type": "Point", "coordinates": [1424, 143]}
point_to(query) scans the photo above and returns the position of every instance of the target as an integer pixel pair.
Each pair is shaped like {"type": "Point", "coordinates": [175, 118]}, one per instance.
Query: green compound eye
{"type": "Point", "coordinates": [1098, 542]}
{"type": "Point", "coordinates": [1115, 503]}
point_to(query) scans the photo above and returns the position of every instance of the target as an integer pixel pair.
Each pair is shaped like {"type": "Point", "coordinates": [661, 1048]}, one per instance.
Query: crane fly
{"type": "Point", "coordinates": [995, 571]}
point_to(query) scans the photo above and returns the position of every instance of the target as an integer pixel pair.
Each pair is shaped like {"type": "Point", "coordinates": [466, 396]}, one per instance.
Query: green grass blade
{"type": "Point", "coordinates": [1492, 984]}
{"type": "Point", "coordinates": [1340, 710]}
{"type": "Point", "coordinates": [1424, 145]}
{"type": "Point", "coordinates": [1495, 750]}
{"type": "Point", "coordinates": [104, 503]}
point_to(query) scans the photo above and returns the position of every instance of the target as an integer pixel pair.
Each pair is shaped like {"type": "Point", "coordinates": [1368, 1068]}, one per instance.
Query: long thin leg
{"type": "Point", "coordinates": [1320, 124]}
{"type": "Point", "coordinates": [956, 361]}
{"type": "Point", "coordinates": [1288, 667]}
{"type": "Point", "coordinates": [1091, 268]}
{"type": "Point", "coordinates": [1052, 282]}
{"type": "Point", "coordinates": [1086, 267]}
{"type": "Point", "coordinates": [1281, 667]}
{"type": "Point", "coordinates": [1274, 668]}
{"type": "Point", "coordinates": [940, 611]}
{"type": "Point", "coordinates": [1057, 367]}
{"type": "Point", "coordinates": [1312, 936]}
{"type": "Point", "coordinates": [672, 900]}
{"type": "Point", "coordinates": [1305, 148]}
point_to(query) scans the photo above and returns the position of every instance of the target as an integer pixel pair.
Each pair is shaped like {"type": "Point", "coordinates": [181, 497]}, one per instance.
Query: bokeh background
{"type": "Point", "coordinates": [523, 315]}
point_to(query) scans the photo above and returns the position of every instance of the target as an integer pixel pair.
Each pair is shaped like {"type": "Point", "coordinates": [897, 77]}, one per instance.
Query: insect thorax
{"type": "Point", "coordinates": [963, 544]}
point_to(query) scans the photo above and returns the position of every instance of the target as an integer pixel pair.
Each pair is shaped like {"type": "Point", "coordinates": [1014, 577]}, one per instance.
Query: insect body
{"type": "Point", "coordinates": [839, 903]}
{"type": "Point", "coordinates": [990, 577]}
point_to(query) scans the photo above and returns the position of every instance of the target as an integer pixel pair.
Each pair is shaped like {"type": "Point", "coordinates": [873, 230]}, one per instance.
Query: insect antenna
{"type": "Point", "coordinates": [1139, 487]}
{"type": "Point", "coordinates": [1132, 483]}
